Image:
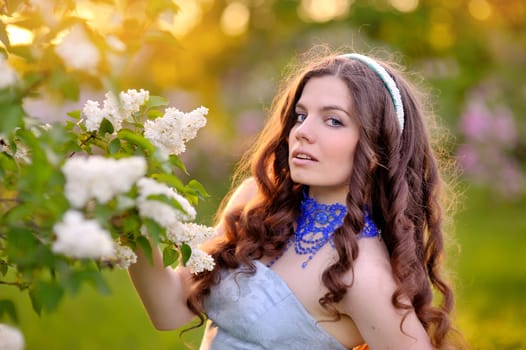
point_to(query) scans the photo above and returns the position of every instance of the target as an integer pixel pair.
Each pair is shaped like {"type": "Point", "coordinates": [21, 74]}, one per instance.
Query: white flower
{"type": "Point", "coordinates": [100, 178]}
{"type": "Point", "coordinates": [124, 257]}
{"type": "Point", "coordinates": [81, 238]}
{"type": "Point", "coordinates": [8, 75]}
{"type": "Point", "coordinates": [170, 132]}
{"type": "Point", "coordinates": [112, 111]}
{"type": "Point", "coordinates": [162, 213]}
{"type": "Point", "coordinates": [190, 233]}
{"type": "Point", "coordinates": [132, 100]}
{"type": "Point", "coordinates": [93, 114]}
{"type": "Point", "coordinates": [77, 51]}
{"type": "Point", "coordinates": [115, 110]}
{"type": "Point", "coordinates": [11, 338]}
{"type": "Point", "coordinates": [200, 261]}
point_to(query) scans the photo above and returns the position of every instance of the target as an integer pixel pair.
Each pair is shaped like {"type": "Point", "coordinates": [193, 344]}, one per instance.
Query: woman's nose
{"type": "Point", "coordinates": [305, 130]}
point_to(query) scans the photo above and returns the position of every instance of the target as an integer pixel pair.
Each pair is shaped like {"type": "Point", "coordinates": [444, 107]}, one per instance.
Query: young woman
{"type": "Point", "coordinates": [334, 240]}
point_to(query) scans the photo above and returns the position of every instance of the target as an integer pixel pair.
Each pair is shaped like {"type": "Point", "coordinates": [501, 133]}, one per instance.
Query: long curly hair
{"type": "Point", "coordinates": [395, 174]}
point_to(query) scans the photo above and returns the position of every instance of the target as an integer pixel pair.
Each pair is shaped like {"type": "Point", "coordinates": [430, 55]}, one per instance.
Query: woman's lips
{"type": "Point", "coordinates": [301, 157]}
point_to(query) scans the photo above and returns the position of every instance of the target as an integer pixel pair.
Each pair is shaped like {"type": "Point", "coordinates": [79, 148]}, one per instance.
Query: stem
{"type": "Point", "coordinates": [7, 200]}
{"type": "Point", "coordinates": [83, 143]}
{"type": "Point", "coordinates": [20, 285]}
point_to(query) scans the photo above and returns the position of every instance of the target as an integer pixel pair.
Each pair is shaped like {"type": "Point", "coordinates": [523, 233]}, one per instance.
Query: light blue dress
{"type": "Point", "coordinates": [257, 312]}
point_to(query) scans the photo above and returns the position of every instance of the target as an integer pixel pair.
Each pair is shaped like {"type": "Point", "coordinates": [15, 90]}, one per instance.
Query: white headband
{"type": "Point", "coordinates": [388, 81]}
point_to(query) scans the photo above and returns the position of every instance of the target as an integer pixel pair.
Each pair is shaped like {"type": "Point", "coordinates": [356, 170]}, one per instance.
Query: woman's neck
{"type": "Point", "coordinates": [328, 195]}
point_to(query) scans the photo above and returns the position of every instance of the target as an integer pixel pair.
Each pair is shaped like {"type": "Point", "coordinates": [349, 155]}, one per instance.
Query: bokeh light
{"type": "Point", "coordinates": [323, 10]}
{"type": "Point", "coordinates": [480, 9]}
{"type": "Point", "coordinates": [405, 5]}
{"type": "Point", "coordinates": [235, 19]}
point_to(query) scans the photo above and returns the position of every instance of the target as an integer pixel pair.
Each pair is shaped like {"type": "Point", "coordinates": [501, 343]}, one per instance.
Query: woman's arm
{"type": "Point", "coordinates": [368, 302]}
{"type": "Point", "coordinates": [164, 290]}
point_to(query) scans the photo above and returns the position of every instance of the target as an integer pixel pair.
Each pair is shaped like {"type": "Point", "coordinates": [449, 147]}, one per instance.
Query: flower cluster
{"type": "Point", "coordinates": [81, 238]}
{"type": "Point", "coordinates": [124, 257]}
{"type": "Point", "coordinates": [100, 178]}
{"type": "Point", "coordinates": [486, 155]}
{"type": "Point", "coordinates": [11, 338]}
{"type": "Point", "coordinates": [200, 261]}
{"type": "Point", "coordinates": [193, 235]}
{"type": "Point", "coordinates": [95, 180]}
{"type": "Point", "coordinates": [189, 232]}
{"type": "Point", "coordinates": [164, 214]}
{"type": "Point", "coordinates": [170, 132]}
{"type": "Point", "coordinates": [77, 50]}
{"type": "Point", "coordinates": [115, 110]}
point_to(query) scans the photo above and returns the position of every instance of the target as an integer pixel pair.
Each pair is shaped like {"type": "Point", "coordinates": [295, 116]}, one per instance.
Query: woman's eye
{"type": "Point", "coordinates": [334, 122]}
{"type": "Point", "coordinates": [300, 117]}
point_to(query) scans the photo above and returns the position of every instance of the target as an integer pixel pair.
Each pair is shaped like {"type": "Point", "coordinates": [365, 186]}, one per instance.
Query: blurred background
{"type": "Point", "coordinates": [230, 56]}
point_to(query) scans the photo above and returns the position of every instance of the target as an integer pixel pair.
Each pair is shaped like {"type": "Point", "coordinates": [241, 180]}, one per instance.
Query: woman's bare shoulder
{"type": "Point", "coordinates": [239, 198]}
{"type": "Point", "coordinates": [368, 302]}
{"type": "Point", "coordinates": [244, 193]}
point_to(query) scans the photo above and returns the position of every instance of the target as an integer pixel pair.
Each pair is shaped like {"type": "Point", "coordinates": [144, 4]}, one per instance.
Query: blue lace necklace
{"type": "Point", "coordinates": [316, 225]}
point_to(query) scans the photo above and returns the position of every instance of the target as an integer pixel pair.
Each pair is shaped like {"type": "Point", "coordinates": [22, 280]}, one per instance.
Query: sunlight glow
{"type": "Point", "coordinates": [405, 5]}
{"type": "Point", "coordinates": [324, 10]}
{"type": "Point", "coordinates": [184, 20]}
{"type": "Point", "coordinates": [18, 35]}
{"type": "Point", "coordinates": [99, 16]}
{"type": "Point", "coordinates": [480, 9]}
{"type": "Point", "coordinates": [235, 19]}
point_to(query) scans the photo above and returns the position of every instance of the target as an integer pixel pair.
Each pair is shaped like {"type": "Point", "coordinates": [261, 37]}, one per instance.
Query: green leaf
{"type": "Point", "coordinates": [46, 296]}
{"type": "Point", "coordinates": [144, 243]}
{"type": "Point", "coordinates": [11, 117]}
{"type": "Point", "coordinates": [21, 246]}
{"type": "Point", "coordinates": [154, 113]}
{"type": "Point", "coordinates": [96, 279]}
{"type": "Point", "coordinates": [18, 213]}
{"type": "Point", "coordinates": [136, 139]}
{"type": "Point", "coordinates": [8, 307]}
{"type": "Point", "coordinates": [71, 280]}
{"type": "Point", "coordinates": [156, 101]}
{"type": "Point", "coordinates": [176, 161]}
{"type": "Point", "coordinates": [170, 180]}
{"type": "Point", "coordinates": [186, 252]}
{"type": "Point", "coordinates": [155, 230]}
{"type": "Point", "coordinates": [167, 200]}
{"type": "Point", "coordinates": [170, 256]}
{"type": "Point", "coordinates": [75, 114]}
{"type": "Point", "coordinates": [106, 127]}
{"type": "Point", "coordinates": [198, 188]}
{"type": "Point", "coordinates": [115, 146]}
{"type": "Point", "coordinates": [7, 164]}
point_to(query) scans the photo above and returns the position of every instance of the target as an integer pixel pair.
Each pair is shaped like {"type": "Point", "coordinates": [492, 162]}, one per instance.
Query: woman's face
{"type": "Point", "coordinates": [323, 140]}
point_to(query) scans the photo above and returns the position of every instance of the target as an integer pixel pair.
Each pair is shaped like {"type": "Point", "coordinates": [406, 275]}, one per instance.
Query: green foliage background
{"type": "Point", "coordinates": [451, 45]}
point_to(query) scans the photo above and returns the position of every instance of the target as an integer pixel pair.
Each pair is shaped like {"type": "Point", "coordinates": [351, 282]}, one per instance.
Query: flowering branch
{"type": "Point", "coordinates": [83, 195]}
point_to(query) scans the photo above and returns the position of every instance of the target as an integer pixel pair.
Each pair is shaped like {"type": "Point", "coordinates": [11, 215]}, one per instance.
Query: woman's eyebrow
{"type": "Point", "coordinates": [326, 108]}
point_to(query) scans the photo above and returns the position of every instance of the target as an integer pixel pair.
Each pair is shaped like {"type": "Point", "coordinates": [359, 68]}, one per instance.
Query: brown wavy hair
{"type": "Point", "coordinates": [396, 175]}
